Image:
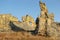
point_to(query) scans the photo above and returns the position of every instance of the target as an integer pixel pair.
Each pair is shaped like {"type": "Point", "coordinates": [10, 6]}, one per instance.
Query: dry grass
{"type": "Point", "coordinates": [21, 36]}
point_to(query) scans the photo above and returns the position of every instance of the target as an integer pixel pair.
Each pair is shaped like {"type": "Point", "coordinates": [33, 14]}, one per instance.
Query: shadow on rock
{"type": "Point", "coordinates": [15, 28]}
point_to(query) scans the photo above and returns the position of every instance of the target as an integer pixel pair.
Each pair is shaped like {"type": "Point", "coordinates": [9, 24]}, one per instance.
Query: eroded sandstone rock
{"type": "Point", "coordinates": [46, 22]}
{"type": "Point", "coordinates": [27, 23]}
{"type": "Point", "coordinates": [5, 20]}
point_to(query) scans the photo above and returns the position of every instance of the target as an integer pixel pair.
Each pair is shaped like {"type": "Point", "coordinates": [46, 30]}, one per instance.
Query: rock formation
{"type": "Point", "coordinates": [43, 19]}
{"type": "Point", "coordinates": [45, 24]}
{"type": "Point", "coordinates": [27, 23]}
{"type": "Point", "coordinates": [5, 20]}
{"type": "Point", "coordinates": [29, 20]}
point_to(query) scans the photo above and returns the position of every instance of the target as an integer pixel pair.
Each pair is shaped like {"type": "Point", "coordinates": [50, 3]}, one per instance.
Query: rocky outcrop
{"type": "Point", "coordinates": [5, 20]}
{"type": "Point", "coordinates": [29, 20]}
{"type": "Point", "coordinates": [27, 23]}
{"type": "Point", "coordinates": [45, 24]}
{"type": "Point", "coordinates": [43, 19]}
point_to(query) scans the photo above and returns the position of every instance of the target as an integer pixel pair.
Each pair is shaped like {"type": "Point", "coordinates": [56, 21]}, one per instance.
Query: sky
{"type": "Point", "coordinates": [19, 8]}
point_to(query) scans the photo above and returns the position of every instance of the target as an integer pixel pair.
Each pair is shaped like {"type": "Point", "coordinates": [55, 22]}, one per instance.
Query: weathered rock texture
{"type": "Point", "coordinates": [45, 20]}
{"type": "Point", "coordinates": [5, 20]}
{"type": "Point", "coordinates": [46, 25]}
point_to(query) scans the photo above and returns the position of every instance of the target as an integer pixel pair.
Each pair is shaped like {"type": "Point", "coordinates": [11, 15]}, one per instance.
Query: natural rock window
{"type": "Point", "coordinates": [30, 23]}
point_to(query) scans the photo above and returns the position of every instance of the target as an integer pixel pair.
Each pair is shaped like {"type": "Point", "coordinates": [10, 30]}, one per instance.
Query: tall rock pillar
{"type": "Point", "coordinates": [43, 19]}
{"type": "Point", "coordinates": [46, 21]}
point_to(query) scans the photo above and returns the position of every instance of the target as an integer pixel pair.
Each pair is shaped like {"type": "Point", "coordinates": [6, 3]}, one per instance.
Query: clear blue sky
{"type": "Point", "coordinates": [19, 8]}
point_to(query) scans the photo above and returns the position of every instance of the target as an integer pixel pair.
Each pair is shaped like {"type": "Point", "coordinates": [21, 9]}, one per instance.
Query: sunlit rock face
{"type": "Point", "coordinates": [27, 23]}
{"type": "Point", "coordinates": [29, 20]}
{"type": "Point", "coordinates": [46, 24]}
{"type": "Point", "coordinates": [5, 20]}
{"type": "Point", "coordinates": [45, 20]}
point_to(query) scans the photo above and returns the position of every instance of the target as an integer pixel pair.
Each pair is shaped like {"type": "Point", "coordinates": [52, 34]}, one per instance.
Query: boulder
{"type": "Point", "coordinates": [27, 23]}
{"type": "Point", "coordinates": [25, 26]}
